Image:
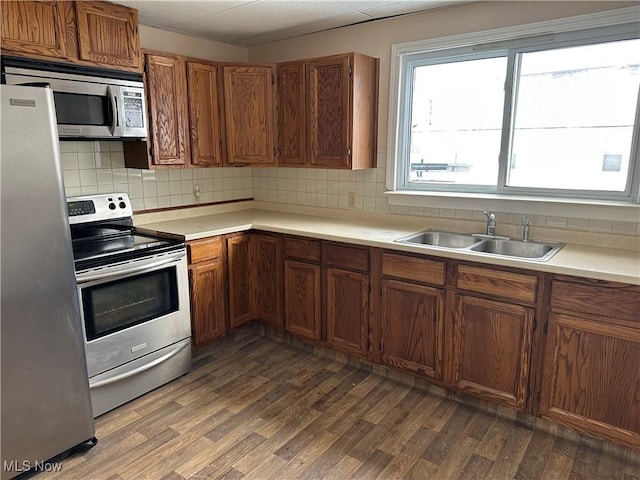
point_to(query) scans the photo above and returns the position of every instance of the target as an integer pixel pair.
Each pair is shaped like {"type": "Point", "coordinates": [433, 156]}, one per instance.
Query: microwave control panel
{"type": "Point", "coordinates": [133, 108]}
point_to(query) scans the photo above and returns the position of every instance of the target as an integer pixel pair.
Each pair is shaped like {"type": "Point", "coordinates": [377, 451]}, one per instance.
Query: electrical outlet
{"type": "Point", "coordinates": [196, 193]}
{"type": "Point", "coordinates": [352, 199]}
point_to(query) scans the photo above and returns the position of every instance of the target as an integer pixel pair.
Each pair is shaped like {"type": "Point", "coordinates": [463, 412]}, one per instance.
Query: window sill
{"type": "Point", "coordinates": [560, 207]}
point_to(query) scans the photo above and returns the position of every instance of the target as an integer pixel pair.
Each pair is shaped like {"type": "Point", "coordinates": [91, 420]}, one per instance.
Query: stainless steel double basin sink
{"type": "Point", "coordinates": [484, 244]}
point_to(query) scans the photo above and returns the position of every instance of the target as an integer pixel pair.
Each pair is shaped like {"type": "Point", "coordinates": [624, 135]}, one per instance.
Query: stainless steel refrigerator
{"type": "Point", "coordinates": [45, 401]}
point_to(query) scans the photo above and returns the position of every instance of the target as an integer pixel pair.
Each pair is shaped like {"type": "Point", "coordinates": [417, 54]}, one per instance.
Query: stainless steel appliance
{"type": "Point", "coordinates": [46, 407]}
{"type": "Point", "coordinates": [89, 102]}
{"type": "Point", "coordinates": [134, 298]}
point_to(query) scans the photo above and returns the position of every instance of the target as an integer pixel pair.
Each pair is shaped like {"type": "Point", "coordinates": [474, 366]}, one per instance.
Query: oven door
{"type": "Point", "coordinates": [132, 309]}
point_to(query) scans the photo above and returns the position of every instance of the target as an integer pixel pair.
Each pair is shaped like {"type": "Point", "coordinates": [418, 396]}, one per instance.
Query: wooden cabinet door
{"type": "Point", "coordinates": [291, 114]}
{"type": "Point", "coordinates": [204, 115]}
{"type": "Point", "coordinates": [412, 327]}
{"type": "Point", "coordinates": [268, 279]}
{"type": "Point", "coordinates": [207, 301]}
{"type": "Point", "coordinates": [167, 95]}
{"type": "Point", "coordinates": [249, 115]}
{"type": "Point", "coordinates": [240, 266]}
{"type": "Point", "coordinates": [592, 377]}
{"type": "Point", "coordinates": [35, 28]}
{"type": "Point", "coordinates": [302, 299]}
{"type": "Point", "coordinates": [329, 112]}
{"type": "Point", "coordinates": [491, 349]}
{"type": "Point", "coordinates": [347, 312]}
{"type": "Point", "coordinates": [108, 34]}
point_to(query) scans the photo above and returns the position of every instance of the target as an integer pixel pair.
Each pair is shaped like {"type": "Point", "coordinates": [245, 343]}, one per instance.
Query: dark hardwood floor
{"type": "Point", "coordinates": [254, 408]}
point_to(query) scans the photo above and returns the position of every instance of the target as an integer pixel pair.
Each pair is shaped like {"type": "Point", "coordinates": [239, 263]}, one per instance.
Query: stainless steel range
{"type": "Point", "coordinates": [134, 299]}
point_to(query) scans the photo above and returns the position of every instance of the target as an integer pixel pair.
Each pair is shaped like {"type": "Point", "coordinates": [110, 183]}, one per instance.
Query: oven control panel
{"type": "Point", "coordinates": [93, 208]}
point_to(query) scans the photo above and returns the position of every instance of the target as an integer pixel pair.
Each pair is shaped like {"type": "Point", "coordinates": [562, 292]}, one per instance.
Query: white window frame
{"type": "Point", "coordinates": [560, 32]}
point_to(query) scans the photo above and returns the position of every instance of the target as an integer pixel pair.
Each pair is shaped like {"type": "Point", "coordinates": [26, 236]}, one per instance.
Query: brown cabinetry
{"type": "Point", "coordinates": [255, 279]}
{"type": "Point", "coordinates": [249, 114]}
{"type": "Point", "coordinates": [167, 94]}
{"type": "Point", "coordinates": [491, 345]}
{"type": "Point", "coordinates": [328, 111]}
{"type": "Point", "coordinates": [34, 28]}
{"type": "Point", "coordinates": [205, 134]}
{"type": "Point", "coordinates": [207, 289]}
{"type": "Point", "coordinates": [183, 99]}
{"type": "Point", "coordinates": [108, 34]}
{"type": "Point", "coordinates": [89, 33]}
{"type": "Point", "coordinates": [491, 341]}
{"type": "Point", "coordinates": [592, 359]}
{"type": "Point", "coordinates": [346, 286]}
{"type": "Point", "coordinates": [302, 292]}
{"type": "Point", "coordinates": [413, 313]}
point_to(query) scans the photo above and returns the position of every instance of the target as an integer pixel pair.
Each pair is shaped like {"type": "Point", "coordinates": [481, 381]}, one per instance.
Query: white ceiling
{"type": "Point", "coordinates": [252, 22]}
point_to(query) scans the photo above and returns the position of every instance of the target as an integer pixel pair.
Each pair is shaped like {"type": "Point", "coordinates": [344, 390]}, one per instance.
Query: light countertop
{"type": "Point", "coordinates": [613, 264]}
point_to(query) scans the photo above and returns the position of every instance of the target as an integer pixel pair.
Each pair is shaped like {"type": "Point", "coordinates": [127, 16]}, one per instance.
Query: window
{"type": "Point", "coordinates": [565, 105]}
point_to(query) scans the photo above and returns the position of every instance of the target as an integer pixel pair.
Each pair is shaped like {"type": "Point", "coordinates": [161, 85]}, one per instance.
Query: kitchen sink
{"type": "Point", "coordinates": [516, 248]}
{"type": "Point", "coordinates": [440, 239]}
{"type": "Point", "coordinates": [484, 244]}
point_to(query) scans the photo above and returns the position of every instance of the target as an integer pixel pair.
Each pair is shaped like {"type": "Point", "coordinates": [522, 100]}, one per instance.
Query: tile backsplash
{"type": "Point", "coordinates": [98, 167]}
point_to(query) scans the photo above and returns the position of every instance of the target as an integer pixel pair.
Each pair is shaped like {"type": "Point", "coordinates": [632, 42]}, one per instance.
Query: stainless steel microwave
{"type": "Point", "coordinates": [89, 102]}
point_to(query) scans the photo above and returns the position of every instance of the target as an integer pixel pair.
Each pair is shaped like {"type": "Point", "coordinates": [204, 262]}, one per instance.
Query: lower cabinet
{"type": "Point", "coordinates": [327, 293]}
{"type": "Point", "coordinates": [592, 361]}
{"type": "Point", "coordinates": [347, 310]}
{"type": "Point", "coordinates": [207, 290]}
{"type": "Point", "coordinates": [490, 349]}
{"type": "Point", "coordinates": [302, 299]}
{"type": "Point", "coordinates": [255, 279]}
{"type": "Point", "coordinates": [412, 327]}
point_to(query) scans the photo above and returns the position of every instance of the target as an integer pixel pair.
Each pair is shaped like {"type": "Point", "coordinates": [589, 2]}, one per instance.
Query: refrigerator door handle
{"type": "Point", "coordinates": [116, 378]}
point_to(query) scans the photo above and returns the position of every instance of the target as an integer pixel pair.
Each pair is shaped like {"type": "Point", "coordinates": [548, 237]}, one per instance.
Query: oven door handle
{"type": "Point", "coordinates": [127, 270]}
{"type": "Point", "coordinates": [116, 378]}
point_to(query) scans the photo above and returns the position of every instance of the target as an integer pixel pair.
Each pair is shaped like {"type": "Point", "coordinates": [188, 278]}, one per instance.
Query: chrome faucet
{"type": "Point", "coordinates": [525, 229]}
{"type": "Point", "coordinates": [491, 223]}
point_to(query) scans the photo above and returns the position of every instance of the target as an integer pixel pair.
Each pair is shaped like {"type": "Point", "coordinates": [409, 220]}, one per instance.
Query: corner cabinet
{"type": "Point", "coordinates": [492, 337]}
{"type": "Point", "coordinates": [592, 362]}
{"type": "Point", "coordinates": [249, 114]}
{"type": "Point", "coordinates": [255, 279]}
{"type": "Point", "coordinates": [207, 289]}
{"type": "Point", "coordinates": [328, 111]}
{"type": "Point", "coordinates": [87, 33]}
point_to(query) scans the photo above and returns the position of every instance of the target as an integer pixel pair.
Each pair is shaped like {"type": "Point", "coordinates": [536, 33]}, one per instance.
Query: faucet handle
{"type": "Point", "coordinates": [525, 229]}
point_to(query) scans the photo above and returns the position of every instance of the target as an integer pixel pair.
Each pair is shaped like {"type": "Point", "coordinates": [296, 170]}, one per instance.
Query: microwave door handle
{"type": "Point", "coordinates": [115, 120]}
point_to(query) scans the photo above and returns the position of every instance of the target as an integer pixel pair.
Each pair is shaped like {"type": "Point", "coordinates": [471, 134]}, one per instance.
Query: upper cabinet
{"type": "Point", "coordinates": [329, 118]}
{"type": "Point", "coordinates": [88, 33]}
{"type": "Point", "coordinates": [108, 34]}
{"type": "Point", "coordinates": [249, 114]}
{"type": "Point", "coordinates": [34, 28]}
{"type": "Point", "coordinates": [204, 114]}
{"type": "Point", "coordinates": [167, 93]}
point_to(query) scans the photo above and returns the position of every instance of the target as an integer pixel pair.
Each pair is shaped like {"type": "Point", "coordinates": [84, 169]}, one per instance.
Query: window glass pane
{"type": "Point", "coordinates": [574, 117]}
{"type": "Point", "coordinates": [456, 119]}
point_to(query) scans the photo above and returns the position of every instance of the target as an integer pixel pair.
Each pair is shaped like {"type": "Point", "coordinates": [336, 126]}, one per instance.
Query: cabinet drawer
{"type": "Point", "coordinates": [347, 256]}
{"type": "Point", "coordinates": [302, 249]}
{"type": "Point", "coordinates": [205, 249]}
{"type": "Point", "coordinates": [413, 268]}
{"type": "Point", "coordinates": [620, 303]}
{"type": "Point", "coordinates": [497, 283]}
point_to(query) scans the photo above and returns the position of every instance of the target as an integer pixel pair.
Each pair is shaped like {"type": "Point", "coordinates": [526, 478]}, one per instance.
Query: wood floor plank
{"type": "Point", "coordinates": [256, 408]}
